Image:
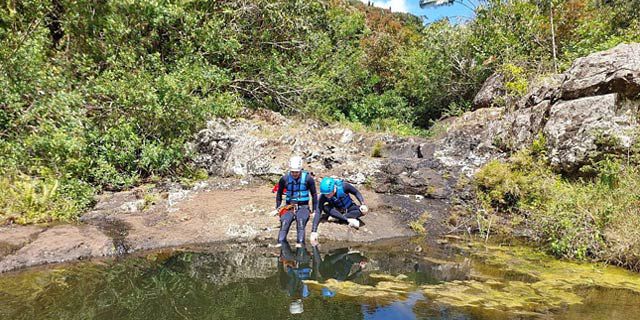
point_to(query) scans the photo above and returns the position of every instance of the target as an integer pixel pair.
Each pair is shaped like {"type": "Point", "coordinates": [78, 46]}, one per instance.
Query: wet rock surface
{"type": "Point", "coordinates": [233, 212]}
{"type": "Point", "coordinates": [16, 237]}
{"type": "Point", "coordinates": [59, 244]}
{"type": "Point", "coordinates": [411, 177]}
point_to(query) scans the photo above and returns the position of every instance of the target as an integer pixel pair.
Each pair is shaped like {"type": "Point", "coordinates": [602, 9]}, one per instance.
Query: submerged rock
{"type": "Point", "coordinates": [514, 280]}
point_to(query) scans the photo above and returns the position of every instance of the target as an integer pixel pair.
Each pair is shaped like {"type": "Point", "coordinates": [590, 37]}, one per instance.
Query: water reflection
{"type": "Point", "coordinates": [295, 267]}
{"type": "Point", "coordinates": [372, 282]}
{"type": "Point", "coordinates": [342, 264]}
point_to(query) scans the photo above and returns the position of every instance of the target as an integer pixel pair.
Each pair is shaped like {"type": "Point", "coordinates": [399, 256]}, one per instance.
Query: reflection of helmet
{"type": "Point", "coordinates": [327, 185]}
{"type": "Point", "coordinates": [327, 293]}
{"type": "Point", "coordinates": [296, 307]}
{"type": "Point", "coordinates": [295, 163]}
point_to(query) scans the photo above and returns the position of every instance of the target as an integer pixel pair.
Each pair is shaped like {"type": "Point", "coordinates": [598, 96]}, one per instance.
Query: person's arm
{"type": "Point", "coordinates": [351, 277]}
{"type": "Point", "coordinates": [281, 186]}
{"type": "Point", "coordinates": [322, 200]}
{"type": "Point", "coordinates": [316, 217]}
{"type": "Point", "coordinates": [337, 255]}
{"type": "Point", "coordinates": [348, 188]}
{"type": "Point", "coordinates": [317, 260]}
{"type": "Point", "coordinates": [311, 186]}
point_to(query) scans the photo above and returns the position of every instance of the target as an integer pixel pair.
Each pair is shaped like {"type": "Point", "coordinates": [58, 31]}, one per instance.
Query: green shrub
{"type": "Point", "coordinates": [33, 200]}
{"type": "Point", "coordinates": [418, 225]}
{"type": "Point", "coordinates": [376, 151]}
{"type": "Point", "coordinates": [581, 219]}
{"type": "Point", "coordinates": [516, 83]}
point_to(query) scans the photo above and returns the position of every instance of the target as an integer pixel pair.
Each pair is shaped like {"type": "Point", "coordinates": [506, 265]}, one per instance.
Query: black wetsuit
{"type": "Point", "coordinates": [337, 265]}
{"type": "Point", "coordinates": [301, 215]}
{"type": "Point", "coordinates": [342, 214]}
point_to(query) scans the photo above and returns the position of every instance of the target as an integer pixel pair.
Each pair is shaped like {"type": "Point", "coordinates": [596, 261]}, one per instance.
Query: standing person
{"type": "Point", "coordinates": [335, 201]}
{"type": "Point", "coordinates": [300, 188]}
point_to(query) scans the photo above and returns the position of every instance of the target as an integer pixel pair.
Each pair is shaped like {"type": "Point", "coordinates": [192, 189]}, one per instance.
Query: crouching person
{"type": "Point", "coordinates": [335, 201]}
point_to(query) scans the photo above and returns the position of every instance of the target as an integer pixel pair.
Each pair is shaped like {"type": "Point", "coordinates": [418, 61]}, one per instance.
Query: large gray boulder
{"type": "Point", "coordinates": [233, 147]}
{"type": "Point", "coordinates": [581, 130]}
{"type": "Point", "coordinates": [520, 127]}
{"type": "Point", "coordinates": [492, 88]}
{"type": "Point", "coordinates": [261, 144]}
{"type": "Point", "coordinates": [586, 112]}
{"type": "Point", "coordinates": [471, 140]}
{"type": "Point", "coordinates": [612, 71]}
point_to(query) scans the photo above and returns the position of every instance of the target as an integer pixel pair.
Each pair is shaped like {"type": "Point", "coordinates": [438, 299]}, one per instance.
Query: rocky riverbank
{"type": "Point", "coordinates": [415, 181]}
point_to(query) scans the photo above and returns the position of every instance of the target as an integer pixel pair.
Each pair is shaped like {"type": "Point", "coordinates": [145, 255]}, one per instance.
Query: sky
{"type": "Point", "coordinates": [457, 12]}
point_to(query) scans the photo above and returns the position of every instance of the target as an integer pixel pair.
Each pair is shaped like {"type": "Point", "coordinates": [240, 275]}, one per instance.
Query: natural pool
{"type": "Point", "coordinates": [399, 279]}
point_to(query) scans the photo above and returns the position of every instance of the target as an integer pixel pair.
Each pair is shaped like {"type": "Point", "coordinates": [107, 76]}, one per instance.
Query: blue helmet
{"type": "Point", "coordinates": [328, 293]}
{"type": "Point", "coordinates": [327, 185]}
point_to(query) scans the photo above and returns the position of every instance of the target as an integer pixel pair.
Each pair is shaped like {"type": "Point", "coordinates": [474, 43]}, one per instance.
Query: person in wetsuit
{"type": "Point", "coordinates": [335, 201]}
{"type": "Point", "coordinates": [300, 188]}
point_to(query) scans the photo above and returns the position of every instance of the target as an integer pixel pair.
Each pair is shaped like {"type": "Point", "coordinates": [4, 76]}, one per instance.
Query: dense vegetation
{"type": "Point", "coordinates": [583, 218]}
{"type": "Point", "coordinates": [592, 215]}
{"type": "Point", "coordinates": [103, 95]}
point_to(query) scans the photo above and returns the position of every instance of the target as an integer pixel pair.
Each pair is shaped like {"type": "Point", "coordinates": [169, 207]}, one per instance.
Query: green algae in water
{"type": "Point", "coordinates": [551, 284]}
{"type": "Point", "coordinates": [483, 282]}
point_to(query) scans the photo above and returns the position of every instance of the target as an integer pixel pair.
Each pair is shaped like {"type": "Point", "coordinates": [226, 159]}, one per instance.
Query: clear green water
{"type": "Point", "coordinates": [386, 281]}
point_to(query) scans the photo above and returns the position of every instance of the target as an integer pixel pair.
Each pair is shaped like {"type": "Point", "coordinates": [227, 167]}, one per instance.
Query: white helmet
{"type": "Point", "coordinates": [296, 307]}
{"type": "Point", "coordinates": [295, 163]}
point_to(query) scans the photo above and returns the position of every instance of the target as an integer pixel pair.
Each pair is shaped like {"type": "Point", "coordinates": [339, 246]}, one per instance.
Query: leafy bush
{"type": "Point", "coordinates": [376, 151]}
{"type": "Point", "coordinates": [31, 200]}
{"type": "Point", "coordinates": [583, 219]}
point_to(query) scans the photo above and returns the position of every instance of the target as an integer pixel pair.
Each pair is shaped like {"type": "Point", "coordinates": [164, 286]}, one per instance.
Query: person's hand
{"type": "Point", "coordinates": [274, 212]}
{"type": "Point", "coordinates": [364, 209]}
{"type": "Point", "coordinates": [313, 238]}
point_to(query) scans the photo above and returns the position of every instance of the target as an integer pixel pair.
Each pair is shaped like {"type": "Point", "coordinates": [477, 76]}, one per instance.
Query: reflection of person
{"type": "Point", "coordinates": [339, 264]}
{"type": "Point", "coordinates": [293, 269]}
{"type": "Point", "coordinates": [298, 187]}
